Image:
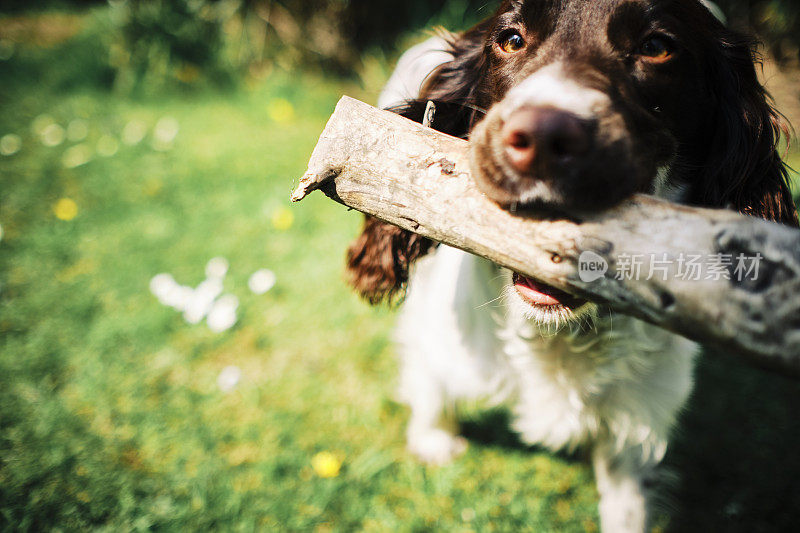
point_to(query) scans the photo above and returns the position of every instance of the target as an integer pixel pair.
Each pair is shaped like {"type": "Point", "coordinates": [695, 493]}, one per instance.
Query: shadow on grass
{"type": "Point", "coordinates": [492, 429]}
{"type": "Point", "coordinates": [736, 453]}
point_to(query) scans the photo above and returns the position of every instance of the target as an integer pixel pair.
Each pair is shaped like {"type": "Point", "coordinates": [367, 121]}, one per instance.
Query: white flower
{"type": "Point", "coordinates": [170, 293]}
{"type": "Point", "coordinates": [161, 284]}
{"type": "Point", "coordinates": [202, 300]}
{"type": "Point", "coordinates": [223, 313]}
{"type": "Point", "coordinates": [229, 378]}
{"type": "Point", "coordinates": [261, 281]}
{"type": "Point", "coordinates": [181, 296]}
{"type": "Point", "coordinates": [177, 297]}
{"type": "Point", "coordinates": [217, 267]}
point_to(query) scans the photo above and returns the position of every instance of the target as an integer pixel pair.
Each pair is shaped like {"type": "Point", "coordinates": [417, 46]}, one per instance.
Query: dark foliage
{"type": "Point", "coordinates": [777, 22]}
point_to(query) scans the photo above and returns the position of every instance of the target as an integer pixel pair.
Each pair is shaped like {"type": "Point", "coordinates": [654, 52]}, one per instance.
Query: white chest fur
{"type": "Point", "coordinates": [620, 380]}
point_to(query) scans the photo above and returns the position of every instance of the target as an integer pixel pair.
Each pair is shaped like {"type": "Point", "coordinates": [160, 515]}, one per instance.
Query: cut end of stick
{"type": "Point", "coordinates": [312, 181]}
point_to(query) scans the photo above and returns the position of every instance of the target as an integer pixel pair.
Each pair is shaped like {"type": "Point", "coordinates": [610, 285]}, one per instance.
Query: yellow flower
{"type": "Point", "coordinates": [326, 465]}
{"type": "Point", "coordinates": [280, 110]}
{"type": "Point", "coordinates": [65, 209]}
{"type": "Point", "coordinates": [282, 218]}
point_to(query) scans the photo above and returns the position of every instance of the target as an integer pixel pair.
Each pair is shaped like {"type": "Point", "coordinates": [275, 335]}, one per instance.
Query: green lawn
{"type": "Point", "coordinates": [111, 415]}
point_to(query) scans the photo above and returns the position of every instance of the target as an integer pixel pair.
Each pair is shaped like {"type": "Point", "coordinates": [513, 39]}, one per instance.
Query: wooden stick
{"type": "Point", "coordinates": [416, 178]}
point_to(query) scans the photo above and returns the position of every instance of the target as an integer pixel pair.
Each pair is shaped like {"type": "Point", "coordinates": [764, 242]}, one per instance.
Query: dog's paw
{"type": "Point", "coordinates": [436, 446]}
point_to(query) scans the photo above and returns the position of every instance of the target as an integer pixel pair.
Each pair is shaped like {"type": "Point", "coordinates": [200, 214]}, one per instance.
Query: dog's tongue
{"type": "Point", "coordinates": [535, 292]}
{"type": "Point", "coordinates": [541, 294]}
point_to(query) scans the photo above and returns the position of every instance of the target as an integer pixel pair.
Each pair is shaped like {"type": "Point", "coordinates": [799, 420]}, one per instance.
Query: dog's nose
{"type": "Point", "coordinates": [537, 138]}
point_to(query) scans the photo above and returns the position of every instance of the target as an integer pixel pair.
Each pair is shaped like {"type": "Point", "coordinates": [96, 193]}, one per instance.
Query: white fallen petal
{"type": "Point", "coordinates": [210, 288]}
{"type": "Point", "coordinates": [161, 284]}
{"type": "Point", "coordinates": [228, 378]}
{"type": "Point", "coordinates": [228, 301]}
{"type": "Point", "coordinates": [196, 311]}
{"type": "Point", "coordinates": [261, 281]}
{"type": "Point", "coordinates": [199, 305]}
{"type": "Point", "coordinates": [223, 313]}
{"type": "Point", "coordinates": [178, 297]}
{"type": "Point", "coordinates": [217, 267]}
{"type": "Point", "coordinates": [220, 320]}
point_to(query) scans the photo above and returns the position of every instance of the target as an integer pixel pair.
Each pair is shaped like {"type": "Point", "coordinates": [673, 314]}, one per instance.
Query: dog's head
{"type": "Point", "coordinates": [590, 101]}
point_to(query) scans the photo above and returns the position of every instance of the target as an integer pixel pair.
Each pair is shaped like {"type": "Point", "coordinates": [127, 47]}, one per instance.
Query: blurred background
{"type": "Point", "coordinates": [177, 347]}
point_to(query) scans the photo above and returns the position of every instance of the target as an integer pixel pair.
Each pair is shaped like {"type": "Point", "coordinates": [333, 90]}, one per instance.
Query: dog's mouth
{"type": "Point", "coordinates": [542, 295]}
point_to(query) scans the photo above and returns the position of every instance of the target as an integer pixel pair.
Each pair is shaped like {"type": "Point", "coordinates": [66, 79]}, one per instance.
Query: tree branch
{"type": "Point", "coordinates": [416, 178]}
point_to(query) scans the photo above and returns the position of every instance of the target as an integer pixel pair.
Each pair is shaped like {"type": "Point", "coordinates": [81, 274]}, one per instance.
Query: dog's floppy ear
{"type": "Point", "coordinates": [379, 260]}
{"type": "Point", "coordinates": [460, 80]}
{"type": "Point", "coordinates": [745, 171]}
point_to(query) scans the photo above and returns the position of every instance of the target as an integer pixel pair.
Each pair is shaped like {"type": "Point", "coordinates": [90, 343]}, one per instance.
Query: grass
{"type": "Point", "coordinates": [111, 417]}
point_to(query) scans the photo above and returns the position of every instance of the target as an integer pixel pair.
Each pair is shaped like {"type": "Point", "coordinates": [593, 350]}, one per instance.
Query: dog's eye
{"type": "Point", "coordinates": [511, 42]}
{"type": "Point", "coordinates": [656, 49]}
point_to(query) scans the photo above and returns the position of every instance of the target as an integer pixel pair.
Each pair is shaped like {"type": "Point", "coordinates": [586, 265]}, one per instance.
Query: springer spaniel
{"type": "Point", "coordinates": [569, 104]}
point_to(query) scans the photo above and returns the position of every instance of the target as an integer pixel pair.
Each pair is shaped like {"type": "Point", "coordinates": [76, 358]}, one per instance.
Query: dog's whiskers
{"type": "Point", "coordinates": [489, 302]}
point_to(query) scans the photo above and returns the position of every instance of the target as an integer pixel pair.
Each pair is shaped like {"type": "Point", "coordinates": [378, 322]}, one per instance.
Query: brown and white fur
{"type": "Point", "coordinates": [696, 127]}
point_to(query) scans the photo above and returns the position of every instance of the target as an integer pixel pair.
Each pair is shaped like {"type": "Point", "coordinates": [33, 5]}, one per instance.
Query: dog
{"type": "Point", "coordinates": [569, 104]}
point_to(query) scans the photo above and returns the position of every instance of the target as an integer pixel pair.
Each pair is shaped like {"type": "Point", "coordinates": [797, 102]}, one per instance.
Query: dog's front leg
{"type": "Point", "coordinates": [432, 429]}
{"type": "Point", "coordinates": [621, 483]}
